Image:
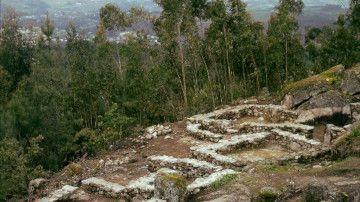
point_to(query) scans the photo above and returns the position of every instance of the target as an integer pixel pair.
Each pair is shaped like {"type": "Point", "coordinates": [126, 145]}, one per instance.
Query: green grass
{"type": "Point", "coordinates": [223, 181]}
{"type": "Point", "coordinates": [177, 179]}
{"type": "Point", "coordinates": [331, 76]}
{"type": "Point", "coordinates": [355, 133]}
{"type": "Point", "coordinates": [268, 196]}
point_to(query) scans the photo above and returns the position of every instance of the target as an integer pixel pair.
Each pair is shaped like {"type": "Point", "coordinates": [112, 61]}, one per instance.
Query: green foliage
{"type": "Point", "coordinates": [179, 180]}
{"type": "Point", "coordinates": [14, 169]}
{"type": "Point", "coordinates": [48, 28]}
{"type": "Point", "coordinates": [286, 54]}
{"type": "Point", "coordinates": [15, 53]}
{"type": "Point", "coordinates": [329, 77]}
{"type": "Point", "coordinates": [59, 103]}
{"type": "Point", "coordinates": [112, 17]}
{"type": "Point", "coordinates": [355, 133]}
{"type": "Point", "coordinates": [354, 15]}
{"type": "Point", "coordinates": [74, 169]}
{"type": "Point", "coordinates": [87, 141]}
{"type": "Point", "coordinates": [268, 196]}
{"type": "Point", "coordinates": [223, 181]}
{"type": "Point", "coordinates": [5, 85]}
{"type": "Point", "coordinates": [336, 45]}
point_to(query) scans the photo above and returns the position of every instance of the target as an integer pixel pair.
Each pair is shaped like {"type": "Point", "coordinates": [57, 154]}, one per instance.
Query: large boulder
{"type": "Point", "coordinates": [171, 187]}
{"type": "Point", "coordinates": [334, 88]}
{"type": "Point", "coordinates": [300, 92]}
{"type": "Point", "coordinates": [315, 192]}
{"type": "Point", "coordinates": [330, 99]}
{"type": "Point", "coordinates": [35, 185]}
{"type": "Point", "coordinates": [351, 82]}
{"type": "Point", "coordinates": [268, 194]}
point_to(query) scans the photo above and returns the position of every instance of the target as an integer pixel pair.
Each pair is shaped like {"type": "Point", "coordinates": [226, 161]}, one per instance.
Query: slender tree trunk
{"type": "Point", "coordinates": [210, 82]}
{"type": "Point", "coordinates": [266, 68]}
{"type": "Point", "coordinates": [118, 59]}
{"type": "Point", "coordinates": [228, 62]}
{"type": "Point", "coordinates": [286, 61]}
{"type": "Point", "coordinates": [256, 72]}
{"type": "Point", "coordinates": [217, 79]}
{"type": "Point", "coordinates": [243, 74]}
{"type": "Point", "coordinates": [182, 61]}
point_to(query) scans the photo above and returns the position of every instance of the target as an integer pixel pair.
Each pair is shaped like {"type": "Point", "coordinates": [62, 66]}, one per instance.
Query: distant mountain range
{"type": "Point", "coordinates": [40, 6]}
{"type": "Point", "coordinates": [85, 12]}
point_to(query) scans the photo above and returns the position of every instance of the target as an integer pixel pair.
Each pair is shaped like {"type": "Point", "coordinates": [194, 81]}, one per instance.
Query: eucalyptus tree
{"type": "Point", "coordinates": [339, 44]}
{"type": "Point", "coordinates": [354, 15]}
{"type": "Point", "coordinates": [174, 27]}
{"type": "Point", "coordinates": [285, 49]}
{"type": "Point", "coordinates": [47, 29]}
{"type": "Point", "coordinates": [15, 53]}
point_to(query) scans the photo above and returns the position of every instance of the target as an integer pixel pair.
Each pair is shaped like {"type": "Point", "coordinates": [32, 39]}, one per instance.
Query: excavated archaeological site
{"type": "Point", "coordinates": [251, 151]}
{"type": "Point", "coordinates": [203, 150]}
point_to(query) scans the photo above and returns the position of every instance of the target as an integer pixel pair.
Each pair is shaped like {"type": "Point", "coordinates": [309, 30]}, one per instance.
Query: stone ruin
{"type": "Point", "coordinates": [228, 141]}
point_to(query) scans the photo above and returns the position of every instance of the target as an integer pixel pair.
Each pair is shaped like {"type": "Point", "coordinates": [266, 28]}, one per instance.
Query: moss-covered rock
{"type": "Point", "coordinates": [328, 78]}
{"type": "Point", "coordinates": [170, 187]}
{"type": "Point", "coordinates": [349, 145]}
{"type": "Point", "coordinates": [315, 192]}
{"type": "Point", "coordinates": [268, 194]}
{"type": "Point", "coordinates": [223, 181]}
{"type": "Point", "coordinates": [330, 98]}
{"type": "Point", "coordinates": [335, 87]}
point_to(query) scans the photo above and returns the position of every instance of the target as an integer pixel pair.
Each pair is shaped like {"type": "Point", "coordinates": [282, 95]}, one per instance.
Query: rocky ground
{"type": "Point", "coordinates": [252, 150]}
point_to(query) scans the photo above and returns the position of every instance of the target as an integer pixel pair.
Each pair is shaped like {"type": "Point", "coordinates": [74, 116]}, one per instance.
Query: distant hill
{"type": "Point", "coordinates": [85, 12]}
{"type": "Point", "coordinates": [39, 6]}
{"type": "Point", "coordinates": [27, 6]}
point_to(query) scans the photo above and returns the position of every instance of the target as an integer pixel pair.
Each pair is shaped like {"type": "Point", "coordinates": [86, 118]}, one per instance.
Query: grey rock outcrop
{"type": "Point", "coordinates": [171, 187]}
{"type": "Point", "coordinates": [328, 99]}
{"type": "Point", "coordinates": [335, 87]}
{"type": "Point", "coordinates": [315, 192]}
{"type": "Point", "coordinates": [35, 185]}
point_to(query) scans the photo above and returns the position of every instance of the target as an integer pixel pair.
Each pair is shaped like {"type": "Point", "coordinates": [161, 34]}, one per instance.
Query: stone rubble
{"type": "Point", "coordinates": [112, 189]}
{"type": "Point", "coordinates": [61, 194]}
{"type": "Point", "coordinates": [218, 135]}
{"type": "Point", "coordinates": [157, 130]}
{"type": "Point", "coordinates": [211, 152]}
{"type": "Point", "coordinates": [259, 127]}
{"type": "Point", "coordinates": [141, 186]}
{"type": "Point", "coordinates": [332, 132]}
{"type": "Point", "coordinates": [311, 115]}
{"type": "Point", "coordinates": [201, 183]}
{"type": "Point", "coordinates": [191, 166]}
{"type": "Point", "coordinates": [195, 130]}
{"type": "Point", "coordinates": [296, 137]}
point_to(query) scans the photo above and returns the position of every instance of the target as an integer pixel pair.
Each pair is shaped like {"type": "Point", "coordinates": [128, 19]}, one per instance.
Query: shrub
{"type": "Point", "coordinates": [86, 141]}
{"type": "Point", "coordinates": [13, 169]}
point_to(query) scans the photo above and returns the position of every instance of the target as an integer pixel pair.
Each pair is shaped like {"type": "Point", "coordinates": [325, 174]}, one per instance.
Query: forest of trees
{"type": "Point", "coordinates": [61, 102]}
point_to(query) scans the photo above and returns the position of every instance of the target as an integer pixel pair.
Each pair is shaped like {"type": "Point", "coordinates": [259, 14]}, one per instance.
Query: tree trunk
{"type": "Point", "coordinates": [266, 68]}
{"type": "Point", "coordinates": [286, 61]}
{"type": "Point", "coordinates": [243, 71]}
{"type": "Point", "coordinates": [256, 72]}
{"type": "Point", "coordinates": [118, 59]}
{"type": "Point", "coordinates": [210, 82]}
{"type": "Point", "coordinates": [182, 62]}
{"type": "Point", "coordinates": [228, 62]}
